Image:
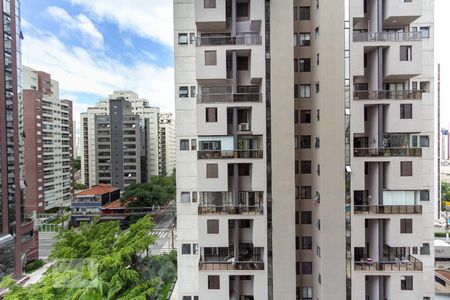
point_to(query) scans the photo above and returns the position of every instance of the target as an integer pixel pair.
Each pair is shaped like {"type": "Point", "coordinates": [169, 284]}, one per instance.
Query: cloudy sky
{"type": "Point", "coordinates": [93, 47]}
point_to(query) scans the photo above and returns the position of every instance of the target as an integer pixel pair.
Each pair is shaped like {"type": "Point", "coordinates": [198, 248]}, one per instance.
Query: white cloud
{"type": "Point", "coordinates": [150, 19]}
{"type": "Point", "coordinates": [79, 23]}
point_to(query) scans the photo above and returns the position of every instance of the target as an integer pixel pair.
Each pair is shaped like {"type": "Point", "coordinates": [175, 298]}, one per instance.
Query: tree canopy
{"type": "Point", "coordinates": [158, 191]}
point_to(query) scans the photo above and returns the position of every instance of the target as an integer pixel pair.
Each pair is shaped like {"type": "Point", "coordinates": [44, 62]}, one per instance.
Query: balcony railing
{"type": "Point", "coordinates": [222, 154]}
{"type": "Point", "coordinates": [231, 266]}
{"type": "Point", "coordinates": [377, 152]}
{"type": "Point", "coordinates": [387, 95]}
{"type": "Point", "coordinates": [218, 40]}
{"type": "Point", "coordinates": [250, 258]}
{"type": "Point", "coordinates": [387, 36]}
{"type": "Point", "coordinates": [229, 97]}
{"type": "Point", "coordinates": [388, 209]}
{"type": "Point", "coordinates": [230, 210]}
{"type": "Point", "coordinates": [412, 264]}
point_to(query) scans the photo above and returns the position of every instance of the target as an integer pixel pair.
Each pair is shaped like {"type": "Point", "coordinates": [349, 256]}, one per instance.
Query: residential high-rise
{"type": "Point", "coordinates": [305, 149]}
{"type": "Point", "coordinates": [147, 118]}
{"type": "Point", "coordinates": [17, 237]}
{"type": "Point", "coordinates": [48, 143]}
{"type": "Point", "coordinates": [167, 149]}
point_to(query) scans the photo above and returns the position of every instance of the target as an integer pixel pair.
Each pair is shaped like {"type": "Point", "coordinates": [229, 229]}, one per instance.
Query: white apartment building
{"type": "Point", "coordinates": [167, 144]}
{"type": "Point", "coordinates": [140, 107]}
{"type": "Point", "coordinates": [305, 149]}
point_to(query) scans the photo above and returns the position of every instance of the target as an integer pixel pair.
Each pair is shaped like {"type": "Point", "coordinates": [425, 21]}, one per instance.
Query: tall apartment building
{"type": "Point", "coordinates": [305, 171]}
{"type": "Point", "coordinates": [167, 144]}
{"type": "Point", "coordinates": [17, 236]}
{"type": "Point", "coordinates": [138, 111]}
{"type": "Point", "coordinates": [49, 138]}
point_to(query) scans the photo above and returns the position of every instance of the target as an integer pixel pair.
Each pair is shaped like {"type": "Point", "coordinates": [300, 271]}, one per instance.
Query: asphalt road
{"type": "Point", "coordinates": [46, 241]}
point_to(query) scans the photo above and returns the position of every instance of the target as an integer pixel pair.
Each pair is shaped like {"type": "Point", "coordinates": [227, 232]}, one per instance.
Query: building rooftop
{"type": "Point", "coordinates": [114, 204]}
{"type": "Point", "coordinates": [98, 189]}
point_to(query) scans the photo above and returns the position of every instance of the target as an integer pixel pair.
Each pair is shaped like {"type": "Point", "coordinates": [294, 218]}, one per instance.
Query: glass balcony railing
{"type": "Point", "coordinates": [388, 209]}
{"type": "Point", "coordinates": [229, 97]}
{"type": "Point", "coordinates": [216, 203]}
{"type": "Point", "coordinates": [222, 154]}
{"type": "Point", "coordinates": [387, 95]}
{"type": "Point", "coordinates": [410, 264]}
{"type": "Point", "coordinates": [414, 36]}
{"type": "Point", "coordinates": [379, 152]}
{"type": "Point", "coordinates": [249, 258]}
{"type": "Point", "coordinates": [221, 40]}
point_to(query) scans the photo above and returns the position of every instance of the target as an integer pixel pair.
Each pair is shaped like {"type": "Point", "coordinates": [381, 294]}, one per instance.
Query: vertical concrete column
{"type": "Point", "coordinates": [373, 288]}
{"type": "Point", "coordinates": [373, 240]}
{"type": "Point", "coordinates": [234, 71]}
{"type": "Point", "coordinates": [236, 240]}
{"type": "Point", "coordinates": [233, 18]}
{"type": "Point", "coordinates": [237, 287]}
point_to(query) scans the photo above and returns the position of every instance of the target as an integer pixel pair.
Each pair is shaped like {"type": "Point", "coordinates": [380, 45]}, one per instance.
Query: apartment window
{"type": "Point", "coordinates": [297, 217]}
{"type": "Point", "coordinates": [185, 197]}
{"type": "Point", "coordinates": [414, 86]}
{"type": "Point", "coordinates": [184, 145]}
{"type": "Point", "coordinates": [305, 65]}
{"type": "Point", "coordinates": [187, 298]}
{"type": "Point", "coordinates": [405, 53]}
{"type": "Point", "coordinates": [212, 226]}
{"type": "Point", "coordinates": [307, 267]}
{"type": "Point", "coordinates": [295, 65]}
{"type": "Point", "coordinates": [317, 87]}
{"type": "Point", "coordinates": [316, 32]}
{"type": "Point", "coordinates": [211, 58]}
{"type": "Point", "coordinates": [191, 38]}
{"type": "Point", "coordinates": [297, 268]}
{"type": "Point", "coordinates": [318, 252]}
{"type": "Point", "coordinates": [183, 92]}
{"type": "Point", "coordinates": [318, 59]}
{"type": "Point", "coordinates": [307, 293]}
{"type": "Point", "coordinates": [193, 144]}
{"type": "Point", "coordinates": [424, 86]}
{"type": "Point", "coordinates": [296, 167]}
{"type": "Point", "coordinates": [317, 145]}
{"type": "Point", "coordinates": [425, 195]}
{"type": "Point", "coordinates": [305, 116]}
{"type": "Point", "coordinates": [194, 248]}
{"type": "Point", "coordinates": [306, 242]}
{"type": "Point", "coordinates": [295, 40]}
{"type": "Point", "coordinates": [406, 226]}
{"type": "Point", "coordinates": [305, 167]}
{"type": "Point", "coordinates": [405, 111]}
{"type": "Point", "coordinates": [242, 9]}
{"type": "Point", "coordinates": [242, 63]}
{"type": "Point", "coordinates": [209, 4]}
{"type": "Point", "coordinates": [406, 168]}
{"type": "Point", "coordinates": [305, 91]}
{"type": "Point", "coordinates": [296, 116]}
{"type": "Point", "coordinates": [244, 169]}
{"type": "Point", "coordinates": [305, 39]}
{"type": "Point", "coordinates": [424, 141]}
{"type": "Point", "coordinates": [305, 192]}
{"type": "Point", "coordinates": [194, 197]}
{"type": "Point", "coordinates": [305, 141]}
{"type": "Point", "coordinates": [406, 283]}
{"type": "Point", "coordinates": [297, 239]}
{"type": "Point", "coordinates": [193, 91]}
{"type": "Point", "coordinates": [305, 13]}
{"type": "Point", "coordinates": [212, 171]}
{"type": "Point", "coordinates": [425, 32]}
{"type": "Point", "coordinates": [213, 282]}
{"type": "Point", "coordinates": [306, 217]}
{"type": "Point", "coordinates": [415, 250]}
{"type": "Point", "coordinates": [211, 114]}
{"type": "Point", "coordinates": [295, 13]}
{"type": "Point", "coordinates": [182, 38]}
{"type": "Point", "coordinates": [318, 115]}
{"type": "Point", "coordinates": [425, 249]}
{"type": "Point", "coordinates": [185, 249]}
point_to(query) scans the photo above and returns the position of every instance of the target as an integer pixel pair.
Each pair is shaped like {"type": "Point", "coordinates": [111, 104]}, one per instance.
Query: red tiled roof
{"type": "Point", "coordinates": [444, 274]}
{"type": "Point", "coordinates": [114, 204]}
{"type": "Point", "coordinates": [98, 189]}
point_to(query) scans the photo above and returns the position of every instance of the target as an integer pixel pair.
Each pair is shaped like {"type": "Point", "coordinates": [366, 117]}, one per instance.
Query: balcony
{"type": "Point", "coordinates": [223, 154]}
{"type": "Point", "coordinates": [410, 264]}
{"type": "Point", "coordinates": [222, 203]}
{"type": "Point", "coordinates": [222, 259]}
{"type": "Point", "coordinates": [387, 152]}
{"type": "Point", "coordinates": [387, 36]}
{"type": "Point", "coordinates": [388, 209]}
{"type": "Point", "coordinates": [401, 13]}
{"type": "Point", "coordinates": [228, 98]}
{"type": "Point", "coordinates": [221, 40]}
{"type": "Point", "coordinates": [387, 95]}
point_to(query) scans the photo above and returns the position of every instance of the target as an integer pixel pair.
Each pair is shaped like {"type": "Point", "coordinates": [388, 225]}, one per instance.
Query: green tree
{"type": "Point", "coordinates": [158, 191]}
{"type": "Point", "coordinates": [77, 164]}
{"type": "Point", "coordinates": [445, 191]}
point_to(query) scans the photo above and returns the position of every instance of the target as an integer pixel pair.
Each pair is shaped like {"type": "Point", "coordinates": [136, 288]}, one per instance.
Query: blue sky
{"type": "Point", "coordinates": [95, 47]}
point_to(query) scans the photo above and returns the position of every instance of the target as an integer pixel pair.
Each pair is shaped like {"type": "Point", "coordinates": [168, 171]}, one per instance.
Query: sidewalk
{"type": "Point", "coordinates": [37, 275]}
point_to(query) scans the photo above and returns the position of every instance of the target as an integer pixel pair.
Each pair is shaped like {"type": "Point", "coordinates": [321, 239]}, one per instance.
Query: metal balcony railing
{"type": "Point", "coordinates": [231, 210]}
{"type": "Point", "coordinates": [221, 154]}
{"type": "Point", "coordinates": [229, 97]}
{"type": "Point", "coordinates": [250, 258]}
{"type": "Point", "coordinates": [412, 264]}
{"type": "Point", "coordinates": [388, 209]}
{"type": "Point", "coordinates": [413, 36]}
{"type": "Point", "coordinates": [378, 152]}
{"type": "Point", "coordinates": [387, 95]}
{"type": "Point", "coordinates": [241, 40]}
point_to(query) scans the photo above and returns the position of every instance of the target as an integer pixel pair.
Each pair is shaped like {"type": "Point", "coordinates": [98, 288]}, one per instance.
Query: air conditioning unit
{"type": "Point", "coordinates": [244, 127]}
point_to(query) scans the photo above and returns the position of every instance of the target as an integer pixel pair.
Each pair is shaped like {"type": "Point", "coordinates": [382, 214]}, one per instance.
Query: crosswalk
{"type": "Point", "coordinates": [160, 234]}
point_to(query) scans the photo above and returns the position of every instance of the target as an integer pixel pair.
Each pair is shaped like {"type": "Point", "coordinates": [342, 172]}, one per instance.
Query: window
{"type": "Point", "coordinates": [306, 217]}
{"type": "Point", "coordinates": [316, 32]}
{"type": "Point", "coordinates": [296, 167]}
{"type": "Point", "coordinates": [212, 226]}
{"type": "Point", "coordinates": [305, 39]}
{"type": "Point", "coordinates": [406, 168]}
{"type": "Point", "coordinates": [297, 268]}
{"type": "Point", "coordinates": [297, 192]}
{"type": "Point", "coordinates": [297, 239]}
{"type": "Point", "coordinates": [183, 92]}
{"type": "Point", "coordinates": [318, 115]}
{"type": "Point", "coordinates": [318, 59]}
{"type": "Point", "coordinates": [297, 142]}
{"type": "Point", "coordinates": [187, 298]}
{"type": "Point", "coordinates": [295, 65]}
{"type": "Point", "coordinates": [307, 267]}
{"type": "Point", "coordinates": [424, 86]}
{"type": "Point", "coordinates": [405, 53]}
{"type": "Point", "coordinates": [210, 145]}
{"type": "Point", "coordinates": [210, 58]}
{"type": "Point", "coordinates": [305, 91]}
{"type": "Point", "coordinates": [242, 9]}
{"type": "Point", "coordinates": [182, 38]}
{"type": "Point", "coordinates": [194, 197]}
{"type": "Point", "coordinates": [305, 65]}
{"type": "Point", "coordinates": [424, 141]}
{"type": "Point", "coordinates": [318, 252]}
{"type": "Point", "coordinates": [194, 248]}
{"type": "Point", "coordinates": [307, 293]}
{"type": "Point", "coordinates": [295, 40]}
{"type": "Point", "coordinates": [305, 167]}
{"type": "Point", "coordinates": [425, 249]}
{"type": "Point", "coordinates": [305, 141]}
{"type": "Point", "coordinates": [244, 169]}
{"type": "Point", "coordinates": [406, 283]}
{"type": "Point", "coordinates": [213, 282]}
{"type": "Point", "coordinates": [304, 13]}
{"type": "Point", "coordinates": [425, 195]}
{"type": "Point", "coordinates": [425, 32]}
{"type": "Point", "coordinates": [184, 145]}
{"type": "Point", "coordinates": [209, 4]}
{"type": "Point", "coordinates": [193, 144]}
{"type": "Point", "coordinates": [405, 111]}
{"type": "Point", "coordinates": [185, 197]}
{"type": "Point", "coordinates": [297, 217]}
{"type": "Point", "coordinates": [211, 114]}
{"type": "Point", "coordinates": [305, 116]}
{"type": "Point", "coordinates": [317, 145]}
{"type": "Point", "coordinates": [317, 87]}
{"type": "Point", "coordinates": [242, 63]}
{"type": "Point", "coordinates": [193, 91]}
{"type": "Point", "coordinates": [305, 192]}
{"type": "Point", "coordinates": [306, 243]}
{"type": "Point", "coordinates": [212, 171]}
{"type": "Point", "coordinates": [296, 116]}
{"type": "Point", "coordinates": [406, 226]}
{"type": "Point", "coordinates": [186, 249]}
